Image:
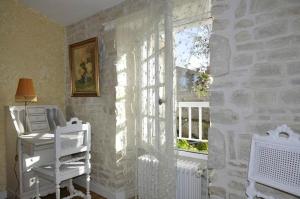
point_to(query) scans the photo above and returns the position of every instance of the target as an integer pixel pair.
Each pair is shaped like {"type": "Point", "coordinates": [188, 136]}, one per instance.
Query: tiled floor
{"type": "Point", "coordinates": [64, 193]}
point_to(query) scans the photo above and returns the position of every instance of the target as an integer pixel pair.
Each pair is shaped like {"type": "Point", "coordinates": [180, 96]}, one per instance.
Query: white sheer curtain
{"type": "Point", "coordinates": [144, 94]}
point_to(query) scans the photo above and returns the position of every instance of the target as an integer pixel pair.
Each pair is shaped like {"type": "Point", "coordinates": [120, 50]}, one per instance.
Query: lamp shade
{"type": "Point", "coordinates": [25, 91]}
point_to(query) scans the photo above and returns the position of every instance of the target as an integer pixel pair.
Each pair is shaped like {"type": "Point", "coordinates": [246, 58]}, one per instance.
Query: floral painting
{"type": "Point", "coordinates": [84, 66]}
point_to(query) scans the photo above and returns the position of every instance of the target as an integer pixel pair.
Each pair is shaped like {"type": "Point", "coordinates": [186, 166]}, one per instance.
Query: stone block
{"type": "Point", "coordinates": [241, 9]}
{"type": "Point", "coordinates": [265, 97]}
{"type": "Point", "coordinates": [237, 186]}
{"type": "Point", "coordinates": [219, 9]}
{"type": "Point", "coordinates": [261, 127]}
{"type": "Point", "coordinates": [212, 175]}
{"type": "Point", "coordinates": [220, 55]}
{"type": "Point", "coordinates": [250, 46]}
{"type": "Point", "coordinates": [282, 118]}
{"type": "Point", "coordinates": [242, 36]}
{"type": "Point", "coordinates": [243, 146]}
{"type": "Point", "coordinates": [238, 163]}
{"type": "Point", "coordinates": [244, 23]}
{"type": "Point", "coordinates": [272, 110]}
{"type": "Point", "coordinates": [258, 6]}
{"type": "Point", "coordinates": [235, 196]}
{"type": "Point", "coordinates": [297, 118]}
{"type": "Point", "coordinates": [238, 173]}
{"type": "Point", "coordinates": [271, 29]}
{"type": "Point", "coordinates": [296, 25]}
{"type": "Point", "coordinates": [291, 96]}
{"type": "Point", "coordinates": [293, 68]}
{"type": "Point", "coordinates": [220, 192]}
{"type": "Point", "coordinates": [280, 13]}
{"type": "Point", "coordinates": [217, 150]}
{"type": "Point", "coordinates": [224, 116]}
{"type": "Point", "coordinates": [217, 98]}
{"type": "Point", "coordinates": [267, 69]}
{"type": "Point", "coordinates": [295, 81]}
{"type": "Point", "coordinates": [240, 98]}
{"type": "Point", "coordinates": [264, 117]}
{"type": "Point", "coordinates": [285, 54]}
{"type": "Point", "coordinates": [295, 110]}
{"type": "Point", "coordinates": [217, 197]}
{"type": "Point", "coordinates": [264, 17]}
{"type": "Point", "coordinates": [215, 2]}
{"type": "Point", "coordinates": [243, 60]}
{"type": "Point", "coordinates": [282, 42]}
{"type": "Point", "coordinates": [231, 146]}
{"type": "Point", "coordinates": [220, 24]}
{"type": "Point", "coordinates": [110, 47]}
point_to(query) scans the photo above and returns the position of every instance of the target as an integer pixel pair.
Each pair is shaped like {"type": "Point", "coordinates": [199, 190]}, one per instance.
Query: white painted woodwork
{"type": "Point", "coordinates": [77, 161]}
{"type": "Point", "coordinates": [33, 148]}
{"type": "Point", "coordinates": [190, 106]}
{"type": "Point", "coordinates": [275, 162]}
{"type": "Point", "coordinates": [188, 182]}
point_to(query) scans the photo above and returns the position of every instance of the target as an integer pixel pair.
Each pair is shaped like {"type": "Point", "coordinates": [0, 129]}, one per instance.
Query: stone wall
{"type": "Point", "coordinates": [31, 46]}
{"type": "Point", "coordinates": [255, 61]}
{"type": "Point", "coordinates": [108, 166]}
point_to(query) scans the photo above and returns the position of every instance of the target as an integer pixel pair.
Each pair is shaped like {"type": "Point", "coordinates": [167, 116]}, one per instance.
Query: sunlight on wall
{"type": "Point", "coordinates": [121, 104]}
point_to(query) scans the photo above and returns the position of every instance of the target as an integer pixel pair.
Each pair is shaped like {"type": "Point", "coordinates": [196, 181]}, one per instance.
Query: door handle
{"type": "Point", "coordinates": [161, 101]}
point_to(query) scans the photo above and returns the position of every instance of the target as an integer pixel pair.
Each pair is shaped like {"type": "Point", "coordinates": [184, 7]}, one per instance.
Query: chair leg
{"type": "Point", "coordinates": [71, 187]}
{"type": "Point", "coordinates": [37, 184]}
{"type": "Point", "coordinates": [88, 194]}
{"type": "Point", "coordinates": [57, 191]}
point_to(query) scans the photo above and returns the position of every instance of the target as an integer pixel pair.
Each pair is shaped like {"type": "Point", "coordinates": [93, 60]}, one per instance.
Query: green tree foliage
{"type": "Point", "coordinates": [201, 84]}
{"type": "Point", "coordinates": [201, 147]}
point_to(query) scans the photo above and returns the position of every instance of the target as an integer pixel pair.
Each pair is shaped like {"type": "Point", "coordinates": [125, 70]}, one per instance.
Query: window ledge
{"type": "Point", "coordinates": [191, 155]}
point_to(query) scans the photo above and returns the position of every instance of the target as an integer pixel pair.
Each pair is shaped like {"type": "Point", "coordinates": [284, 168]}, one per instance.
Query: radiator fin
{"type": "Point", "coordinates": [188, 185]}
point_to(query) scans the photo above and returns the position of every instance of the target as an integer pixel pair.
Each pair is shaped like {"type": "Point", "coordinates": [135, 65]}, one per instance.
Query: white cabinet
{"type": "Point", "coordinates": [32, 149]}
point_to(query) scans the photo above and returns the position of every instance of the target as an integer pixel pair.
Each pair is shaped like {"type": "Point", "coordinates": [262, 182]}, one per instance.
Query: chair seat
{"type": "Point", "coordinates": [67, 170]}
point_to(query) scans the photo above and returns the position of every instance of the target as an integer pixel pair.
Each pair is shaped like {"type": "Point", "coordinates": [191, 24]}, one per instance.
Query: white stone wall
{"type": "Point", "coordinates": [99, 111]}
{"type": "Point", "coordinates": [255, 61]}
{"type": "Point", "coordinates": [110, 169]}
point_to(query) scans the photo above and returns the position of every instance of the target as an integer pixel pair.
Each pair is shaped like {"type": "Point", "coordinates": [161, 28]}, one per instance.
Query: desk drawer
{"type": "Point", "coordinates": [39, 157]}
{"type": "Point", "coordinates": [29, 181]}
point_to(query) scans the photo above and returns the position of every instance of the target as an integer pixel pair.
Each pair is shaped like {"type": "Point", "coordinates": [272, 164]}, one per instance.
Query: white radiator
{"type": "Point", "coordinates": [188, 185]}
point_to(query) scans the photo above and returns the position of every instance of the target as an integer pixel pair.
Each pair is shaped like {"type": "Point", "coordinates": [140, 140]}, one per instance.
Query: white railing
{"type": "Point", "coordinates": [191, 105]}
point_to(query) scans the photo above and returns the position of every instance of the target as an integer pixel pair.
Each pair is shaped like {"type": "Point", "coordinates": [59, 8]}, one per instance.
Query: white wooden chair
{"type": "Point", "coordinates": [275, 162]}
{"type": "Point", "coordinates": [69, 162]}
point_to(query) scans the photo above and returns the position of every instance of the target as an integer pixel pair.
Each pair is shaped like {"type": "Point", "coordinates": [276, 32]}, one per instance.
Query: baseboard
{"type": "Point", "coordinates": [101, 190]}
{"type": "Point", "coordinates": [3, 194]}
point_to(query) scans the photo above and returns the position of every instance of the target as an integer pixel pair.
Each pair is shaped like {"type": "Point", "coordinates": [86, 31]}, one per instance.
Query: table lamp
{"type": "Point", "coordinates": [25, 93]}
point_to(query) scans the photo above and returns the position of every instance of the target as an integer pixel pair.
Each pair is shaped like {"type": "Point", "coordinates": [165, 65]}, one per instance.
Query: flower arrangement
{"type": "Point", "coordinates": [201, 83]}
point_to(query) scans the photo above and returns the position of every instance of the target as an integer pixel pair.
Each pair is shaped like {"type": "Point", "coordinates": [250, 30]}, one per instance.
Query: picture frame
{"type": "Point", "coordinates": [84, 66]}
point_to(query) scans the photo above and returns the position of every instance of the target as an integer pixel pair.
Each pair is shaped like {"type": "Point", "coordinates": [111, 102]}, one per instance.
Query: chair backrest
{"type": "Point", "coordinates": [55, 118]}
{"type": "Point", "coordinates": [37, 120]}
{"type": "Point", "coordinates": [72, 138]}
{"type": "Point", "coordinates": [275, 161]}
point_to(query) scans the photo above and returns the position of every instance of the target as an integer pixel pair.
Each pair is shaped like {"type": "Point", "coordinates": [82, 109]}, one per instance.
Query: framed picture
{"type": "Point", "coordinates": [84, 64]}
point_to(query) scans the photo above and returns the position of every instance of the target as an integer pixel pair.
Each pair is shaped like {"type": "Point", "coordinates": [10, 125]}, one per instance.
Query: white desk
{"type": "Point", "coordinates": [32, 150]}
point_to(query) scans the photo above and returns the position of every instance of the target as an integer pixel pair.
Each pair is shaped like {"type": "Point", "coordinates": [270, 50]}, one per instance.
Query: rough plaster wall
{"type": "Point", "coordinates": [99, 111]}
{"type": "Point", "coordinates": [255, 61]}
{"type": "Point", "coordinates": [108, 166]}
{"type": "Point", "coordinates": [30, 46]}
